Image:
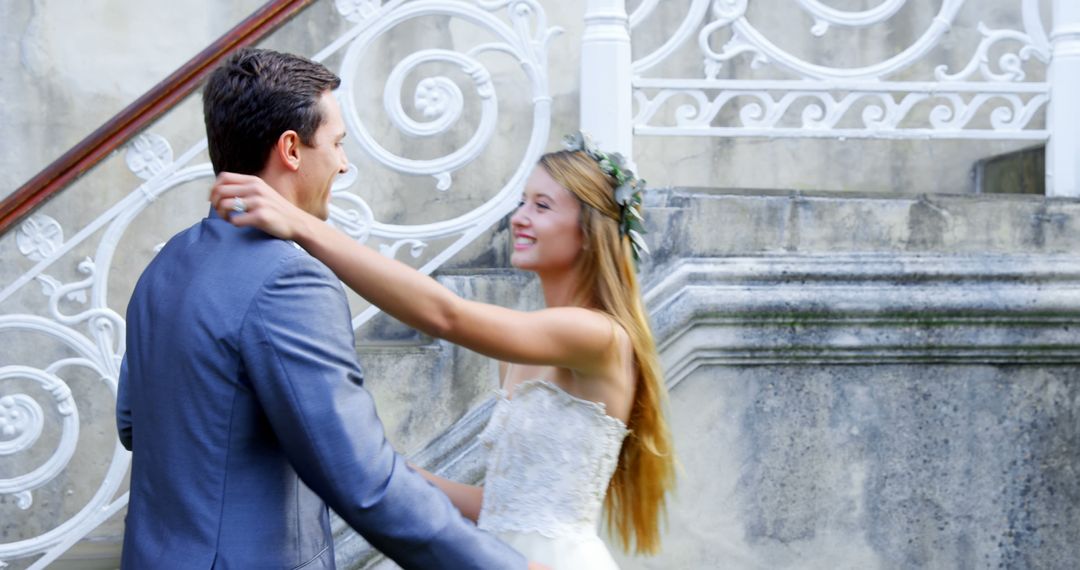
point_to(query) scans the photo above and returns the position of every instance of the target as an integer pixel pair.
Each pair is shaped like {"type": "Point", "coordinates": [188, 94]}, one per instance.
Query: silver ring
{"type": "Point", "coordinates": [238, 205]}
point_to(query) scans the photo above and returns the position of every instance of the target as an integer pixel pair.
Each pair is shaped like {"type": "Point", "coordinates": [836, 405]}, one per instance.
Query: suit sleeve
{"type": "Point", "coordinates": [298, 349]}
{"type": "Point", "coordinates": [123, 407]}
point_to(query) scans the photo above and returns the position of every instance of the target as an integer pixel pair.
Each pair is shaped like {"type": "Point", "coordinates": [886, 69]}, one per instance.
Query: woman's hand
{"type": "Point", "coordinates": [263, 207]}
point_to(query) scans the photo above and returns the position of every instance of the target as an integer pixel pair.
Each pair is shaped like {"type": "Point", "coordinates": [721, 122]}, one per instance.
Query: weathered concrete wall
{"type": "Point", "coordinates": [67, 67]}
{"type": "Point", "coordinates": [875, 466]}
{"type": "Point", "coordinates": [851, 390]}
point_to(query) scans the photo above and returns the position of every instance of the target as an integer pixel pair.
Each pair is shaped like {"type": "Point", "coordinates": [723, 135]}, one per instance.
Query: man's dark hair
{"type": "Point", "coordinates": [253, 97]}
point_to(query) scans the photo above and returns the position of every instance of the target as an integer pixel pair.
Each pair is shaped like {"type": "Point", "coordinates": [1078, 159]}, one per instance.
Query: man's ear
{"type": "Point", "coordinates": [287, 150]}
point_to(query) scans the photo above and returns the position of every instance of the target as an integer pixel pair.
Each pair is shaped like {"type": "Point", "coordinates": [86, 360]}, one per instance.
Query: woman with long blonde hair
{"type": "Point", "coordinates": [579, 430]}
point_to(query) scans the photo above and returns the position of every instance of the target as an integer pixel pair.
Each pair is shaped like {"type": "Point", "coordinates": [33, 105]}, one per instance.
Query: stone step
{"type": "Point", "coordinates": [688, 222]}
{"type": "Point", "coordinates": [1019, 172]}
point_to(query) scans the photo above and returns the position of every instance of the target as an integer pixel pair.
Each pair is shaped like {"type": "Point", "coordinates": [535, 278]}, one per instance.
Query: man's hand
{"type": "Point", "coordinates": [537, 566]}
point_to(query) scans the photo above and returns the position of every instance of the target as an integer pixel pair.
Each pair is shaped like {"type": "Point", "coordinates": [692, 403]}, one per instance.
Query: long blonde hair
{"type": "Point", "coordinates": [636, 497]}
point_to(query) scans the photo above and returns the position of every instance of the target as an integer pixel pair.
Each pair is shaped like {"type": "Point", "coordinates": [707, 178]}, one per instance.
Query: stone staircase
{"type": "Point", "coordinates": [890, 381]}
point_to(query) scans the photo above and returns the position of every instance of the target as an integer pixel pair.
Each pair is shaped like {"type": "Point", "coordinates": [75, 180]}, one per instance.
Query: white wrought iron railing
{"type": "Point", "coordinates": [785, 95]}
{"type": "Point", "coordinates": [79, 325]}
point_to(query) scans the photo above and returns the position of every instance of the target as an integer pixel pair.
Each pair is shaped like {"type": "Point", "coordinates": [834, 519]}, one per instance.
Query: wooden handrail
{"type": "Point", "coordinates": [155, 102]}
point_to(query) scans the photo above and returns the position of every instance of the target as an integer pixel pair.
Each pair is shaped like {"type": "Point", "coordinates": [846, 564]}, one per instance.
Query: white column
{"type": "Point", "coordinates": [606, 99]}
{"type": "Point", "coordinates": [1063, 115]}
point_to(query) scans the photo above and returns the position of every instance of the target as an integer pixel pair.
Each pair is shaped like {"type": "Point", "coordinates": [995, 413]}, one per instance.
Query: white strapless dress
{"type": "Point", "coordinates": [551, 456]}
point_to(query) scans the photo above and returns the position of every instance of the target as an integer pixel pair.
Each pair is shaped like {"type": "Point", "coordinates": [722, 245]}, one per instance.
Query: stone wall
{"type": "Point", "coordinates": [896, 402]}
{"type": "Point", "coordinates": [67, 67]}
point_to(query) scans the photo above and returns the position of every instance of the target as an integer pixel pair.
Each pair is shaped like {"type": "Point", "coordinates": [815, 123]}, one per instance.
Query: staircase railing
{"type": "Point", "coordinates": [751, 86]}
{"type": "Point", "coordinates": [138, 115]}
{"type": "Point", "coordinates": [64, 339]}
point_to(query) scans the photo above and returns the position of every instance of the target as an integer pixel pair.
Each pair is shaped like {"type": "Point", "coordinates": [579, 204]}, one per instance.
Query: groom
{"type": "Point", "coordinates": [240, 395]}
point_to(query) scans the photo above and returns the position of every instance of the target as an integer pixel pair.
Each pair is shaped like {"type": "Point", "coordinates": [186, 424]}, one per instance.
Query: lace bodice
{"type": "Point", "coordinates": [551, 456]}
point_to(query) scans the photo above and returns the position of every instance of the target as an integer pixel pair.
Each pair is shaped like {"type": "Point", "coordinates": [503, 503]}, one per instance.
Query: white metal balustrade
{"type": "Point", "coordinates": [92, 336]}
{"type": "Point", "coordinates": [619, 98]}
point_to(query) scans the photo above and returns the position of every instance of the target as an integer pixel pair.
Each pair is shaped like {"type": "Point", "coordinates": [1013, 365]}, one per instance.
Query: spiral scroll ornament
{"type": "Point", "coordinates": [846, 101]}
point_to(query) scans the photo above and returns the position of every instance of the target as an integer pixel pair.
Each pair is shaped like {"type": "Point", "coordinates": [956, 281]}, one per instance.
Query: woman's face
{"type": "Point", "coordinates": [546, 227]}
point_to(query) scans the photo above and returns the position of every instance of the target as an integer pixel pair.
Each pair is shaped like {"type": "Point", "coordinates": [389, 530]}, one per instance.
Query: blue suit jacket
{"type": "Point", "coordinates": [242, 401]}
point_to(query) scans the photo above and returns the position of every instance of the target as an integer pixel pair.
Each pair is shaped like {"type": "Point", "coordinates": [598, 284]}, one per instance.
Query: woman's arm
{"type": "Point", "coordinates": [467, 498]}
{"type": "Point", "coordinates": [570, 337]}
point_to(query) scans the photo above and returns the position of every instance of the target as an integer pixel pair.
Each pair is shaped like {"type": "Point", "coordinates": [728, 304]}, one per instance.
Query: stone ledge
{"type": "Point", "coordinates": [856, 308]}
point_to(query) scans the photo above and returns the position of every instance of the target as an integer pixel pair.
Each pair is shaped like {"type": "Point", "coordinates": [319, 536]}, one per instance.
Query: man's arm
{"type": "Point", "coordinates": [298, 350]}
{"type": "Point", "coordinates": [123, 407]}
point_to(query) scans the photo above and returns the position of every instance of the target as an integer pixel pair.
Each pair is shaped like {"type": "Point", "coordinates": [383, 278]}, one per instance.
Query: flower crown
{"type": "Point", "coordinates": [628, 189]}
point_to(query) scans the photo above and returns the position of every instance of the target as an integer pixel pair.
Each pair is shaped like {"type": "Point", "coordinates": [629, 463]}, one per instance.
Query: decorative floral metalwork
{"type": "Point", "coordinates": [349, 212]}
{"type": "Point", "coordinates": [357, 10]}
{"type": "Point", "coordinates": [826, 16]}
{"type": "Point", "coordinates": [825, 114]}
{"type": "Point", "coordinates": [79, 317]}
{"type": "Point", "coordinates": [440, 103]}
{"type": "Point", "coordinates": [416, 247]}
{"type": "Point", "coordinates": [25, 419]}
{"type": "Point", "coordinates": [148, 155]}
{"type": "Point", "coordinates": [21, 422]}
{"type": "Point", "coordinates": [39, 237]}
{"type": "Point", "coordinates": [846, 101]}
{"type": "Point", "coordinates": [439, 99]}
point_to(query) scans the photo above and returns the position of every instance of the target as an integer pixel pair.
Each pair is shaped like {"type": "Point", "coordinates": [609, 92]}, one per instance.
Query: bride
{"type": "Point", "coordinates": [578, 429]}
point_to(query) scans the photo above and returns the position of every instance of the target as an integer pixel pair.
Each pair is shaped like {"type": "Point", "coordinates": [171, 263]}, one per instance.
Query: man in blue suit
{"type": "Point", "coordinates": [240, 395]}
